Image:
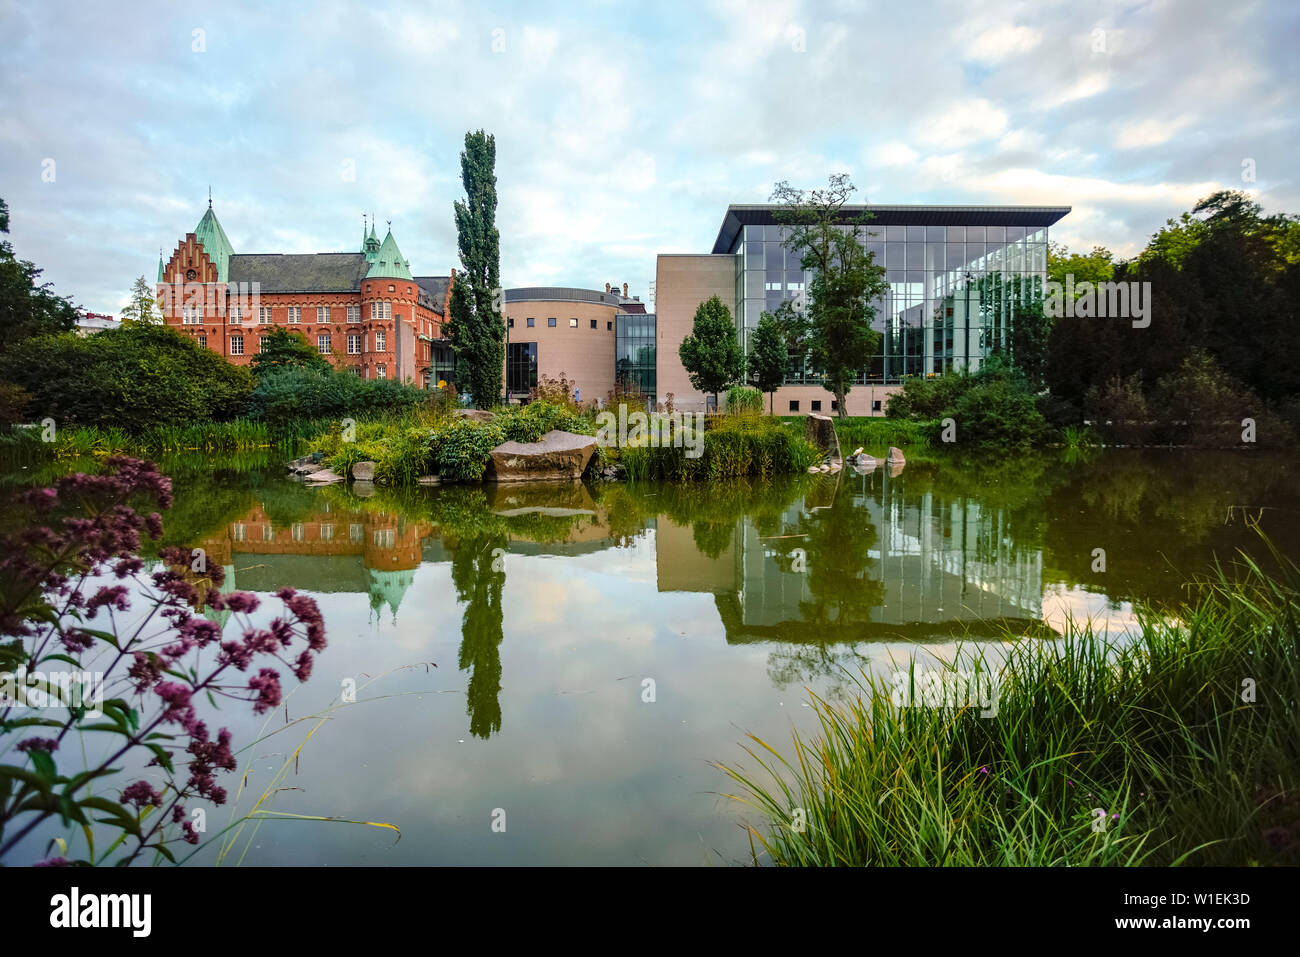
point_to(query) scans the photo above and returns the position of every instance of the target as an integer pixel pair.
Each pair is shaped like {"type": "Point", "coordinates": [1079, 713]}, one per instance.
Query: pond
{"type": "Point", "coordinates": [543, 675]}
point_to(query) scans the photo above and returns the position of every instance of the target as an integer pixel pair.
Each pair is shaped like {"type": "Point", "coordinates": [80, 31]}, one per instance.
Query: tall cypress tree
{"type": "Point", "coordinates": [478, 330]}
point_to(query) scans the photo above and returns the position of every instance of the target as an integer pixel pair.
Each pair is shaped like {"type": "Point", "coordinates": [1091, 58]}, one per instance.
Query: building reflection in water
{"type": "Point", "coordinates": [820, 563]}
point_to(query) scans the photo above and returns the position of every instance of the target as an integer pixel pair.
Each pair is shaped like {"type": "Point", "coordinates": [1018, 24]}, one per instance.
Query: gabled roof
{"type": "Point", "coordinates": [300, 272]}
{"type": "Point", "coordinates": [215, 243]}
{"type": "Point", "coordinates": [433, 291]}
{"type": "Point", "coordinates": [389, 264]}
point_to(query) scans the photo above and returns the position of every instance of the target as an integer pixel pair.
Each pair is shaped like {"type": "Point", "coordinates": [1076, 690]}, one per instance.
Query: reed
{"type": "Point", "coordinates": [1180, 745]}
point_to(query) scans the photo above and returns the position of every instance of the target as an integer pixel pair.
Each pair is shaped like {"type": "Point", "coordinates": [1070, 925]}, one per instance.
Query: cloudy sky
{"type": "Point", "coordinates": [623, 130]}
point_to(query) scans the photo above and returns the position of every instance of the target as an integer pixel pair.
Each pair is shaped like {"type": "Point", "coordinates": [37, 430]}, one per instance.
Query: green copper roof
{"type": "Point", "coordinates": [215, 243]}
{"type": "Point", "coordinates": [389, 263]}
{"type": "Point", "coordinates": [160, 267]}
{"type": "Point", "coordinates": [370, 246]}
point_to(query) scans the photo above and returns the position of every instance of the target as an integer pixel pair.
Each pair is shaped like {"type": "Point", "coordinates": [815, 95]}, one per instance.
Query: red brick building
{"type": "Point", "coordinates": [364, 309]}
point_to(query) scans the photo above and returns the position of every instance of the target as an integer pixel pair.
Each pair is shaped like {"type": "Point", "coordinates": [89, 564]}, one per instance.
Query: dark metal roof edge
{"type": "Point", "coordinates": [752, 215]}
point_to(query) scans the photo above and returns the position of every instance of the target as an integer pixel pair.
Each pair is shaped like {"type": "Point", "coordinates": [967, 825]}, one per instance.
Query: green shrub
{"type": "Point", "coordinates": [530, 422]}
{"type": "Point", "coordinates": [992, 408]}
{"type": "Point", "coordinates": [135, 378]}
{"type": "Point", "coordinates": [463, 449]}
{"type": "Point", "coordinates": [733, 447]}
{"type": "Point", "coordinates": [287, 393]}
{"type": "Point", "coordinates": [742, 400]}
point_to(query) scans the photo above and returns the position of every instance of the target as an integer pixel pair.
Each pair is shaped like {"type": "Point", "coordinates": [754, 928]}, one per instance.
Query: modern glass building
{"type": "Point", "coordinates": [956, 275]}
{"type": "Point", "coordinates": [634, 354]}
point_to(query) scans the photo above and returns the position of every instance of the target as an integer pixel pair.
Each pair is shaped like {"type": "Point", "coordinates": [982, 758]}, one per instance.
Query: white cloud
{"type": "Point", "coordinates": [1149, 132]}
{"type": "Point", "coordinates": [892, 154]}
{"type": "Point", "coordinates": [1000, 42]}
{"type": "Point", "coordinates": [963, 123]}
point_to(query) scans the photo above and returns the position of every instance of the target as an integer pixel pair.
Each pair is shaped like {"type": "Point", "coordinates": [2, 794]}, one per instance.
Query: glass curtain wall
{"type": "Point", "coordinates": [634, 353]}
{"type": "Point", "coordinates": [521, 368]}
{"type": "Point", "coordinates": [951, 292]}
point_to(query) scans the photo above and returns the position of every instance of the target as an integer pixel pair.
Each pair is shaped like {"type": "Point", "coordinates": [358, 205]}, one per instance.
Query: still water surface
{"type": "Point", "coordinates": [503, 640]}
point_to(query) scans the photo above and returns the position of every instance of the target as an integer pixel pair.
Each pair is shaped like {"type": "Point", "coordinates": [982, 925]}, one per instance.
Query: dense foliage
{"type": "Point", "coordinates": [711, 354]}
{"type": "Point", "coordinates": [26, 308]}
{"type": "Point", "coordinates": [1225, 283]}
{"type": "Point", "coordinates": [476, 328]}
{"type": "Point", "coordinates": [135, 377]}
{"type": "Point", "coordinates": [287, 393]}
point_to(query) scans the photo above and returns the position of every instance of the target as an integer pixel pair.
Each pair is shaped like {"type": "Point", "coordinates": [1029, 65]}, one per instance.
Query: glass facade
{"type": "Point", "coordinates": [634, 353]}
{"type": "Point", "coordinates": [952, 290]}
{"type": "Point", "coordinates": [521, 368]}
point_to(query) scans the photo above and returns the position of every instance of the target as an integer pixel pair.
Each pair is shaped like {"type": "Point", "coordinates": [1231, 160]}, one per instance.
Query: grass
{"type": "Point", "coordinates": [875, 434]}
{"type": "Point", "coordinates": [1100, 753]}
{"type": "Point", "coordinates": [237, 435]}
{"type": "Point", "coordinates": [735, 446]}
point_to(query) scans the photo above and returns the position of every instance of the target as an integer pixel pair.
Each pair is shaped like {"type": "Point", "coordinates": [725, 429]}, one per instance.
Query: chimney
{"type": "Point", "coordinates": [607, 287]}
{"type": "Point", "coordinates": [624, 290]}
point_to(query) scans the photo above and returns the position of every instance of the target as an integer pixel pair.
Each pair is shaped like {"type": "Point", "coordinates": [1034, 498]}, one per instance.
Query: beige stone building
{"type": "Point", "coordinates": [555, 330]}
{"type": "Point", "coordinates": [955, 275]}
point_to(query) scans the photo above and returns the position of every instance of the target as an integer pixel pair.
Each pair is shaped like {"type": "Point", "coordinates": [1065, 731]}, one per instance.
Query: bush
{"type": "Point", "coordinates": [742, 399]}
{"type": "Point", "coordinates": [530, 422]}
{"type": "Point", "coordinates": [998, 412]}
{"type": "Point", "coordinates": [288, 393]}
{"type": "Point", "coordinates": [133, 378]}
{"type": "Point", "coordinates": [993, 408]}
{"type": "Point", "coordinates": [733, 447]}
{"type": "Point", "coordinates": [463, 449]}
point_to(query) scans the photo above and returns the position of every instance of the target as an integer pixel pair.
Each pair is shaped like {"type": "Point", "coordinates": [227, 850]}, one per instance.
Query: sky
{"type": "Point", "coordinates": [623, 130]}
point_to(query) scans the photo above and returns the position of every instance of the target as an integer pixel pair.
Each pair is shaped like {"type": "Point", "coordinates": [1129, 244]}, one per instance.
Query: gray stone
{"type": "Point", "coordinates": [895, 455]}
{"type": "Point", "coordinates": [428, 480]}
{"type": "Point", "coordinates": [820, 431]}
{"type": "Point", "coordinates": [324, 477]}
{"type": "Point", "coordinates": [558, 455]}
{"type": "Point", "coordinates": [363, 471]}
{"type": "Point", "coordinates": [475, 415]}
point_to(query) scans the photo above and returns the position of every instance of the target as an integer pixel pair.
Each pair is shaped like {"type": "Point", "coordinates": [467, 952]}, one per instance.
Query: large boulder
{"type": "Point", "coordinates": [820, 431]}
{"type": "Point", "coordinates": [475, 415]}
{"type": "Point", "coordinates": [557, 456]}
{"type": "Point", "coordinates": [895, 455]}
{"type": "Point", "coordinates": [363, 471]}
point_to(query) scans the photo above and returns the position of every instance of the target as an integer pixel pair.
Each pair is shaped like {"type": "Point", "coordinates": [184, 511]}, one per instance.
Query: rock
{"type": "Point", "coordinates": [895, 455]}
{"type": "Point", "coordinates": [428, 480]}
{"type": "Point", "coordinates": [824, 468]}
{"type": "Point", "coordinates": [820, 431]}
{"type": "Point", "coordinates": [363, 471]}
{"type": "Point", "coordinates": [363, 488]}
{"type": "Point", "coordinates": [306, 465]}
{"type": "Point", "coordinates": [864, 461]}
{"type": "Point", "coordinates": [558, 455]}
{"type": "Point", "coordinates": [475, 415]}
{"type": "Point", "coordinates": [813, 470]}
{"type": "Point", "coordinates": [324, 477]}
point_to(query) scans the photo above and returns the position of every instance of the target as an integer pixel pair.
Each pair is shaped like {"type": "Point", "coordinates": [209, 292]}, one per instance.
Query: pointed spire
{"type": "Point", "coordinates": [209, 196]}
{"type": "Point", "coordinates": [160, 264]}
